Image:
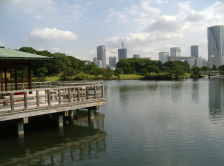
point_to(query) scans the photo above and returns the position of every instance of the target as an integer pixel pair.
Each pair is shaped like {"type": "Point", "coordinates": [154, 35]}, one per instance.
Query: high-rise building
{"type": "Point", "coordinates": [163, 56]}
{"type": "Point", "coordinates": [113, 61]}
{"type": "Point", "coordinates": [122, 53]}
{"type": "Point", "coordinates": [194, 51]}
{"type": "Point", "coordinates": [175, 51]}
{"type": "Point", "coordinates": [101, 55]}
{"type": "Point", "coordinates": [136, 56]}
{"type": "Point", "coordinates": [216, 45]}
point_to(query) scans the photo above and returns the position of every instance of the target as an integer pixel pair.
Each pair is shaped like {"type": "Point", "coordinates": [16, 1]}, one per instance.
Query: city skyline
{"type": "Point", "coordinates": [78, 27]}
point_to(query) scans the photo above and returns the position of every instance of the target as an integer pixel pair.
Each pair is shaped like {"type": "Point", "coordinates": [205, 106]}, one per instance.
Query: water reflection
{"type": "Point", "coordinates": [195, 91]}
{"type": "Point", "coordinates": [216, 96]}
{"type": "Point", "coordinates": [82, 141]}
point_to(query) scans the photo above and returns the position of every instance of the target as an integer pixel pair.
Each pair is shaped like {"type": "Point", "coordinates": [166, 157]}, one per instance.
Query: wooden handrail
{"type": "Point", "coordinates": [44, 97]}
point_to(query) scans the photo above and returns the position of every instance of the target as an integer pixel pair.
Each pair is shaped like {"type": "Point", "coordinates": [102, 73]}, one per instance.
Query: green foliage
{"type": "Point", "coordinates": [99, 71]}
{"type": "Point", "coordinates": [41, 73]}
{"type": "Point", "coordinates": [108, 74]}
{"type": "Point", "coordinates": [28, 49]}
{"type": "Point", "coordinates": [221, 69]}
{"type": "Point", "coordinates": [152, 69]}
{"type": "Point", "coordinates": [160, 76]}
{"type": "Point", "coordinates": [204, 68]}
{"type": "Point", "coordinates": [172, 65]}
{"type": "Point", "coordinates": [118, 72]}
{"type": "Point", "coordinates": [196, 71]}
{"type": "Point", "coordinates": [135, 65]}
{"type": "Point", "coordinates": [61, 64]}
{"type": "Point", "coordinates": [214, 67]}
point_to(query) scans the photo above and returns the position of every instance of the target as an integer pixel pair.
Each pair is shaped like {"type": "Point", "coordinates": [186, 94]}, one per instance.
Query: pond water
{"type": "Point", "coordinates": [156, 123]}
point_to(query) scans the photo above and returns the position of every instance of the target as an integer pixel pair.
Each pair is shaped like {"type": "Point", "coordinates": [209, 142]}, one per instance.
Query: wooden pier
{"type": "Point", "coordinates": [59, 99]}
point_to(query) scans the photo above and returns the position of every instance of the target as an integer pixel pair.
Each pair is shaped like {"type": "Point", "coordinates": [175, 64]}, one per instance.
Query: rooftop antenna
{"type": "Point", "coordinates": [122, 43]}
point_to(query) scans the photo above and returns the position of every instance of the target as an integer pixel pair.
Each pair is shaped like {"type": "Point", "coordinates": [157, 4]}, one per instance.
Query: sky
{"type": "Point", "coordinates": [77, 27]}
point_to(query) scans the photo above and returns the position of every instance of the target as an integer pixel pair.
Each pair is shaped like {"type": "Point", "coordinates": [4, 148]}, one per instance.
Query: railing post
{"type": "Point", "coordinates": [102, 90]}
{"type": "Point", "coordinates": [38, 98]}
{"type": "Point", "coordinates": [78, 94]}
{"type": "Point", "coordinates": [59, 96]}
{"type": "Point", "coordinates": [49, 97]}
{"type": "Point", "coordinates": [95, 92]}
{"type": "Point", "coordinates": [11, 101]}
{"type": "Point", "coordinates": [25, 99]}
{"type": "Point", "coordinates": [87, 93]}
{"type": "Point", "coordinates": [69, 94]}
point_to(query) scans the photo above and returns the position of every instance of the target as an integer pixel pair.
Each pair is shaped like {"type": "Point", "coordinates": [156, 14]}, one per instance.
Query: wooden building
{"type": "Point", "coordinates": [15, 67]}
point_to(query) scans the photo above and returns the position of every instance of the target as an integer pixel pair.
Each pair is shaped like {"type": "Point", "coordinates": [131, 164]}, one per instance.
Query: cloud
{"type": "Point", "coordinates": [47, 9]}
{"type": "Point", "coordinates": [148, 8]}
{"type": "Point", "coordinates": [52, 34]}
{"type": "Point", "coordinates": [165, 24]}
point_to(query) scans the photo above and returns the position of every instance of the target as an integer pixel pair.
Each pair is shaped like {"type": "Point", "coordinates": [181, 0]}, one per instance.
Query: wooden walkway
{"type": "Point", "coordinates": [60, 97]}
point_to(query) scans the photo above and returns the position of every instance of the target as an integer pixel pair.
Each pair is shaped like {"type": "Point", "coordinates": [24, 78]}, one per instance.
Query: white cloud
{"type": "Point", "coordinates": [47, 9]}
{"type": "Point", "coordinates": [52, 34]}
{"type": "Point", "coordinates": [148, 8]}
{"type": "Point", "coordinates": [165, 24]}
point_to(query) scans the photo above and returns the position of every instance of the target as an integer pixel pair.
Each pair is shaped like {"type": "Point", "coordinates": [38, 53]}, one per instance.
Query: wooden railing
{"type": "Point", "coordinates": [60, 93]}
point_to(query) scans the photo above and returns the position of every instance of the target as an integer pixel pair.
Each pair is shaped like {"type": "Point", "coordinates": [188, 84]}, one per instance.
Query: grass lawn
{"type": "Point", "coordinates": [130, 77]}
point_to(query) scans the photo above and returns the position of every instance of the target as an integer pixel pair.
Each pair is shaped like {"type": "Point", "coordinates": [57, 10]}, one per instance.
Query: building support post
{"type": "Point", "coordinates": [20, 128]}
{"type": "Point", "coordinates": [60, 120]}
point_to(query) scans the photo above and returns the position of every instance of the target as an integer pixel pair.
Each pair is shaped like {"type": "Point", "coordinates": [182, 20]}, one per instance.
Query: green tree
{"type": "Point", "coordinates": [118, 72]}
{"type": "Point", "coordinates": [152, 69]}
{"type": "Point", "coordinates": [196, 71]}
{"type": "Point", "coordinates": [28, 49]}
{"type": "Point", "coordinates": [41, 73]}
{"type": "Point", "coordinates": [177, 72]}
{"type": "Point", "coordinates": [221, 69]}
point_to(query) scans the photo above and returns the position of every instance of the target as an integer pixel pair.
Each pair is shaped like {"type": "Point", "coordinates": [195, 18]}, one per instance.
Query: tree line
{"type": "Point", "coordinates": [66, 67]}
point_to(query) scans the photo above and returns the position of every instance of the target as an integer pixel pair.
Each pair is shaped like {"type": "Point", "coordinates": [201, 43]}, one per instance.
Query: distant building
{"type": "Point", "coordinates": [122, 53]}
{"type": "Point", "coordinates": [97, 62]}
{"type": "Point", "coordinates": [101, 55]}
{"type": "Point", "coordinates": [163, 56]}
{"type": "Point", "coordinates": [200, 62]}
{"type": "Point", "coordinates": [191, 62]}
{"type": "Point", "coordinates": [194, 51]}
{"type": "Point", "coordinates": [179, 58]}
{"type": "Point", "coordinates": [215, 45]}
{"type": "Point", "coordinates": [136, 56]}
{"type": "Point", "coordinates": [113, 61]}
{"type": "Point", "coordinates": [175, 51]}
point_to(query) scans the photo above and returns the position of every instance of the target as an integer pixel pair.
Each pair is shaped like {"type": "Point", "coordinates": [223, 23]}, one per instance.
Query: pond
{"type": "Point", "coordinates": [161, 123]}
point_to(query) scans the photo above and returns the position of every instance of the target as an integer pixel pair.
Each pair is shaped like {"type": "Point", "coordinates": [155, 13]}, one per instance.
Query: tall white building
{"type": "Point", "coordinates": [101, 55]}
{"type": "Point", "coordinates": [163, 56]}
{"type": "Point", "coordinates": [216, 45]}
{"type": "Point", "coordinates": [175, 51]}
{"type": "Point", "coordinates": [194, 51]}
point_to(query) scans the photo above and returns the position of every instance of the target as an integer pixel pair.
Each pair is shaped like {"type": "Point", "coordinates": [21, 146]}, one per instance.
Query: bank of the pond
{"type": "Point", "coordinates": [160, 76]}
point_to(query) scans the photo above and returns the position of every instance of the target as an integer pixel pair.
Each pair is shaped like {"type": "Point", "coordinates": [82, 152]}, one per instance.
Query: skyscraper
{"type": "Point", "coordinates": [101, 55]}
{"type": "Point", "coordinates": [194, 51]}
{"type": "Point", "coordinates": [163, 56]}
{"type": "Point", "coordinates": [122, 53]}
{"type": "Point", "coordinates": [175, 51]}
{"type": "Point", "coordinates": [216, 45]}
{"type": "Point", "coordinates": [113, 61]}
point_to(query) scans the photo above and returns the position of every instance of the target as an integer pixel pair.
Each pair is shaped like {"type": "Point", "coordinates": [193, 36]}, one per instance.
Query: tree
{"type": "Point", "coordinates": [204, 68]}
{"type": "Point", "coordinates": [28, 49]}
{"type": "Point", "coordinates": [177, 72]}
{"type": "Point", "coordinates": [41, 73]}
{"type": "Point", "coordinates": [152, 68]}
{"type": "Point", "coordinates": [196, 71]}
{"type": "Point", "coordinates": [221, 68]}
{"type": "Point", "coordinates": [118, 72]}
